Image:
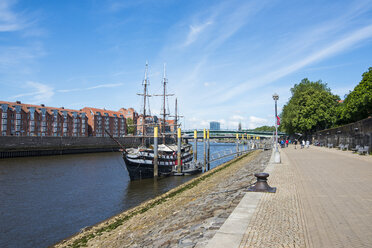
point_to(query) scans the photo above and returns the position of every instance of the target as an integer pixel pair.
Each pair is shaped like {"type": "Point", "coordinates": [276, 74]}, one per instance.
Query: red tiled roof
{"type": "Point", "coordinates": [103, 111]}
{"type": "Point", "coordinates": [25, 107]}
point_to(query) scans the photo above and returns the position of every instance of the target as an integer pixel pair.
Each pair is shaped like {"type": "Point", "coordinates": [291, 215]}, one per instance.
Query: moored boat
{"type": "Point", "coordinates": [140, 161]}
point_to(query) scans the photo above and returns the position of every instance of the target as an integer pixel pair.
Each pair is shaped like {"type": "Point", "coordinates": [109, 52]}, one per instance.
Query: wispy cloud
{"type": "Point", "coordinates": [20, 55]}
{"type": "Point", "coordinates": [38, 92]}
{"type": "Point", "coordinates": [344, 43]}
{"type": "Point", "coordinates": [254, 122]}
{"type": "Point", "coordinates": [195, 32]}
{"type": "Point", "coordinates": [232, 122]}
{"type": "Point", "coordinates": [91, 88]}
{"type": "Point", "coordinates": [8, 19]}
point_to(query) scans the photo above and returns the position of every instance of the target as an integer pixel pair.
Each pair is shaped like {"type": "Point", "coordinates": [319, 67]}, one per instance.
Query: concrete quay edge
{"type": "Point", "coordinates": [232, 231]}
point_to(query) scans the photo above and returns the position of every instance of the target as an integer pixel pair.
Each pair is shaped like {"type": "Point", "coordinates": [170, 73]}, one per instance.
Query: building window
{"type": "Point", "coordinates": [4, 115]}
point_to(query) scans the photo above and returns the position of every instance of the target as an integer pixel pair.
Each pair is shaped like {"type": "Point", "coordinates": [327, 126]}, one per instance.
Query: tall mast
{"type": "Point", "coordinates": [164, 95]}
{"type": "Point", "coordinates": [145, 94]}
{"type": "Point", "coordinates": [175, 116]}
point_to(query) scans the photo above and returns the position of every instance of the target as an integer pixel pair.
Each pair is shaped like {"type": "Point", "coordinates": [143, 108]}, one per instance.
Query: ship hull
{"type": "Point", "coordinates": [140, 165]}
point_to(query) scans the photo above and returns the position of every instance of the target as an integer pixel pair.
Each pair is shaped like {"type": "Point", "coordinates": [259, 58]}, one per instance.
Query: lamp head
{"type": "Point", "coordinates": [275, 97]}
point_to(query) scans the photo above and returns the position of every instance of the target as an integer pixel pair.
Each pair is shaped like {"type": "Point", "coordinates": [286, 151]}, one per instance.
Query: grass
{"type": "Point", "coordinates": [82, 242]}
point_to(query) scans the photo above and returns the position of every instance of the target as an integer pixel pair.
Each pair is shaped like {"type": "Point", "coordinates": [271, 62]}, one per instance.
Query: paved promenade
{"type": "Point", "coordinates": [323, 199]}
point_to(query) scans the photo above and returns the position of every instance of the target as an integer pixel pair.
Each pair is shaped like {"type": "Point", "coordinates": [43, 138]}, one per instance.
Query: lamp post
{"type": "Point", "coordinates": [277, 154]}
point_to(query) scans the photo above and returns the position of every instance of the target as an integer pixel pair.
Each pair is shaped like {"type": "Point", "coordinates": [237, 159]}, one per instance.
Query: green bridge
{"type": "Point", "coordinates": [232, 133]}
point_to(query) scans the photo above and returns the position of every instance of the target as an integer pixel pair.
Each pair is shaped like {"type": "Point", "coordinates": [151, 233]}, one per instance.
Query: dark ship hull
{"type": "Point", "coordinates": [140, 162]}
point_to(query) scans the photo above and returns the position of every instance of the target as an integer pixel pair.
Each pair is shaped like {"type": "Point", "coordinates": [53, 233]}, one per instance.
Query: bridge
{"type": "Point", "coordinates": [232, 133]}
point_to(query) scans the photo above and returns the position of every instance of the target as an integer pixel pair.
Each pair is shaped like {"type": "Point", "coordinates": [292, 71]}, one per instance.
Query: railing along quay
{"type": "Point", "coordinates": [244, 144]}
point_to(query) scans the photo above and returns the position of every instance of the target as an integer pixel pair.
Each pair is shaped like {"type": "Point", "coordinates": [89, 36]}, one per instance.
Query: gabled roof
{"type": "Point", "coordinates": [104, 111]}
{"type": "Point", "coordinates": [25, 107]}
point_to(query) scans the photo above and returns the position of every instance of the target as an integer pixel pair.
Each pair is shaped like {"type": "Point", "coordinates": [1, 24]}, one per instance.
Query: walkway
{"type": "Point", "coordinates": [323, 199]}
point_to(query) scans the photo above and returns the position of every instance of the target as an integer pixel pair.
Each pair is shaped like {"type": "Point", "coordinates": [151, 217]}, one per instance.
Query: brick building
{"type": "Point", "coordinates": [169, 126]}
{"type": "Point", "coordinates": [151, 122]}
{"type": "Point", "coordinates": [101, 119]}
{"type": "Point", "coordinates": [20, 119]}
{"type": "Point", "coordinates": [130, 113]}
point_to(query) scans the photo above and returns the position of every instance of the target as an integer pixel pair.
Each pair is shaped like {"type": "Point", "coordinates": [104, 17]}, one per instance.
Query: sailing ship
{"type": "Point", "coordinates": [140, 161]}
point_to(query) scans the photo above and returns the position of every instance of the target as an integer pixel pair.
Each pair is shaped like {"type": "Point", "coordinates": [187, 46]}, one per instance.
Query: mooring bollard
{"type": "Point", "coordinates": [179, 150]}
{"type": "Point", "coordinates": [261, 184]}
{"type": "Point", "coordinates": [195, 146]}
{"type": "Point", "coordinates": [156, 164]}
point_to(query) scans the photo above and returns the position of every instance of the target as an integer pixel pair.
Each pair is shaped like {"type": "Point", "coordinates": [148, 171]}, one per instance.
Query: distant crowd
{"type": "Point", "coordinates": [285, 142]}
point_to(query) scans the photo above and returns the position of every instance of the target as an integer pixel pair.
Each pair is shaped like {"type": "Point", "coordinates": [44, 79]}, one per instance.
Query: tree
{"type": "Point", "coordinates": [312, 107]}
{"type": "Point", "coordinates": [358, 103]}
{"type": "Point", "coordinates": [130, 126]}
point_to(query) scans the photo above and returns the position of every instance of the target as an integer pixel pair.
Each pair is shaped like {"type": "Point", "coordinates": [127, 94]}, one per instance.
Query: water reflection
{"type": "Point", "coordinates": [46, 199]}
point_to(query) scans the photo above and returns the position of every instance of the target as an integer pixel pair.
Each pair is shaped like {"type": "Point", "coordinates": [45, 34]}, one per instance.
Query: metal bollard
{"type": "Point", "coordinates": [261, 184]}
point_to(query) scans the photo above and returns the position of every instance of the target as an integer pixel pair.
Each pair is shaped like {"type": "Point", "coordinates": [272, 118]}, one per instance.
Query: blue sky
{"type": "Point", "coordinates": [224, 59]}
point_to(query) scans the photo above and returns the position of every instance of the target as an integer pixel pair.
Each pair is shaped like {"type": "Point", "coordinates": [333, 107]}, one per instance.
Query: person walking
{"type": "Point", "coordinates": [302, 144]}
{"type": "Point", "coordinates": [295, 143]}
{"type": "Point", "coordinates": [286, 143]}
{"type": "Point", "coordinates": [307, 143]}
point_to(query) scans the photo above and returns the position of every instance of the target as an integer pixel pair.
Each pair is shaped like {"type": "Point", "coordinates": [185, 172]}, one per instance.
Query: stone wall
{"type": "Point", "coordinates": [357, 133]}
{"type": "Point", "coordinates": [12, 146]}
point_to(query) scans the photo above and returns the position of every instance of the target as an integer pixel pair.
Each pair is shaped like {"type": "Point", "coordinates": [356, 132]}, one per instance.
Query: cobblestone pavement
{"type": "Point", "coordinates": [324, 199]}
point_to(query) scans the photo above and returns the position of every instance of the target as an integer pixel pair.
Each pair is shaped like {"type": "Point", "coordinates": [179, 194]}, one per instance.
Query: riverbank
{"type": "Point", "coordinates": [28, 146]}
{"type": "Point", "coordinates": [182, 217]}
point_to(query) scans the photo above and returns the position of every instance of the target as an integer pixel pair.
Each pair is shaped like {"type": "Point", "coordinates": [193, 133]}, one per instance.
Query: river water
{"type": "Point", "coordinates": [46, 199]}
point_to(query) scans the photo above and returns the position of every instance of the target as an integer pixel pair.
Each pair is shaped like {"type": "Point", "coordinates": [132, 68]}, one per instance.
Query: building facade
{"type": "Point", "coordinates": [100, 120]}
{"type": "Point", "coordinates": [214, 125]}
{"type": "Point", "coordinates": [18, 119]}
{"type": "Point", "coordinates": [130, 113]}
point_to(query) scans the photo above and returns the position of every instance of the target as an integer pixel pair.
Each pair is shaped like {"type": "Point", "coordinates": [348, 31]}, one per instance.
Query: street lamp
{"type": "Point", "coordinates": [277, 154]}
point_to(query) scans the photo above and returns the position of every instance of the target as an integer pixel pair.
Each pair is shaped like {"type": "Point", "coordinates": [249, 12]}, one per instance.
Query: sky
{"type": "Point", "coordinates": [224, 59]}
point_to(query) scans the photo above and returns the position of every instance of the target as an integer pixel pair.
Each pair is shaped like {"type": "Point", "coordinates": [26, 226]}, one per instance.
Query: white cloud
{"type": "Point", "coordinates": [39, 92]}
{"type": "Point", "coordinates": [254, 122]}
{"type": "Point", "coordinates": [91, 88]}
{"type": "Point", "coordinates": [237, 117]}
{"type": "Point", "coordinates": [9, 21]}
{"type": "Point", "coordinates": [104, 86]}
{"type": "Point", "coordinates": [346, 42]}
{"type": "Point", "coordinates": [195, 31]}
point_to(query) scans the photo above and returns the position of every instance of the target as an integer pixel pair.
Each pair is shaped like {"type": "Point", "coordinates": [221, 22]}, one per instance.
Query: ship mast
{"type": "Point", "coordinates": [145, 94]}
{"type": "Point", "coordinates": [164, 95]}
{"type": "Point", "coordinates": [176, 117]}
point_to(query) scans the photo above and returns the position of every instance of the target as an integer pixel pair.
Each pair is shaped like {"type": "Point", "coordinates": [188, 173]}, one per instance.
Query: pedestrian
{"type": "Point", "coordinates": [307, 143]}
{"type": "Point", "coordinates": [282, 143]}
{"type": "Point", "coordinates": [295, 143]}
{"type": "Point", "coordinates": [302, 144]}
{"type": "Point", "coordinates": [286, 143]}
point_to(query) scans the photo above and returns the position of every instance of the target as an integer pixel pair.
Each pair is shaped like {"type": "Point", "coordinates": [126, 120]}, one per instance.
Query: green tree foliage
{"type": "Point", "coordinates": [130, 126]}
{"type": "Point", "coordinates": [265, 128]}
{"type": "Point", "coordinates": [312, 107]}
{"type": "Point", "coordinates": [358, 103]}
